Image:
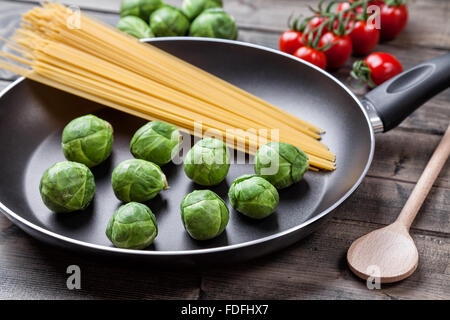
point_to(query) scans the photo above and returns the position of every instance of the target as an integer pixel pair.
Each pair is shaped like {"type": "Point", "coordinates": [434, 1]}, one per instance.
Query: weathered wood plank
{"type": "Point", "coordinates": [108, 6]}
{"type": "Point", "coordinates": [316, 269]}
{"type": "Point", "coordinates": [32, 270]}
{"type": "Point", "coordinates": [403, 155]}
{"type": "Point", "coordinates": [380, 201]}
{"type": "Point", "coordinates": [9, 20]}
{"type": "Point", "coordinates": [312, 269]}
{"type": "Point", "coordinates": [10, 14]}
{"type": "Point", "coordinates": [424, 16]}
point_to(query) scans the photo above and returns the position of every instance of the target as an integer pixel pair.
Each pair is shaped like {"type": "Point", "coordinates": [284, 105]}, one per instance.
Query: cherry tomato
{"type": "Point", "coordinates": [346, 5]}
{"type": "Point", "coordinates": [341, 50]}
{"type": "Point", "coordinates": [347, 27]}
{"type": "Point", "coordinates": [290, 41]}
{"type": "Point", "coordinates": [314, 56]}
{"type": "Point", "coordinates": [376, 3]}
{"type": "Point", "coordinates": [316, 22]}
{"type": "Point", "coordinates": [393, 20]}
{"type": "Point", "coordinates": [364, 37]}
{"type": "Point", "coordinates": [377, 68]}
{"type": "Point", "coordinates": [383, 66]}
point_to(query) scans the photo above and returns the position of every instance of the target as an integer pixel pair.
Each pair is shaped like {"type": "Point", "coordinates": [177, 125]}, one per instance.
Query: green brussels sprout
{"type": "Point", "coordinates": [281, 164]}
{"type": "Point", "coordinates": [67, 186]}
{"type": "Point", "coordinates": [156, 141]}
{"type": "Point", "coordinates": [169, 21]}
{"type": "Point", "coordinates": [135, 27]}
{"type": "Point", "coordinates": [130, 8]}
{"type": "Point", "coordinates": [140, 8]}
{"type": "Point", "coordinates": [214, 23]}
{"type": "Point", "coordinates": [208, 162]}
{"type": "Point", "coordinates": [192, 8]}
{"type": "Point", "coordinates": [133, 226]}
{"type": "Point", "coordinates": [88, 140]}
{"type": "Point", "coordinates": [204, 214]}
{"type": "Point", "coordinates": [253, 196]}
{"type": "Point", "coordinates": [147, 7]}
{"type": "Point", "coordinates": [137, 180]}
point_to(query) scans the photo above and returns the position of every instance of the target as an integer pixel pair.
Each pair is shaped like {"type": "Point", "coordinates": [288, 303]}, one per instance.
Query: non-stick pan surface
{"type": "Point", "coordinates": [32, 117]}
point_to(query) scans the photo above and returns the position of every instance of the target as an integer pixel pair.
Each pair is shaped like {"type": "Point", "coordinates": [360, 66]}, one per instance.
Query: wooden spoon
{"type": "Point", "coordinates": [390, 253]}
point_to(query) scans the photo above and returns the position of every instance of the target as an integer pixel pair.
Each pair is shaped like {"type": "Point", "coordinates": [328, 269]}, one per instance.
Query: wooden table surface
{"type": "Point", "coordinates": [314, 268]}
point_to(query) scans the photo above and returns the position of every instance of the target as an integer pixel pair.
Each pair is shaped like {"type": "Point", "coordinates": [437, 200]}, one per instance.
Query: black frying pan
{"type": "Point", "coordinates": [32, 117]}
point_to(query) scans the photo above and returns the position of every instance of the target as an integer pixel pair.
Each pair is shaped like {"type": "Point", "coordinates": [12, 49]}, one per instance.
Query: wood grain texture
{"type": "Point", "coordinates": [32, 270]}
{"type": "Point", "coordinates": [391, 250]}
{"type": "Point", "coordinates": [271, 16]}
{"type": "Point", "coordinates": [314, 268]}
{"type": "Point", "coordinates": [10, 14]}
{"type": "Point", "coordinates": [402, 155]}
{"type": "Point", "coordinates": [388, 253]}
{"type": "Point", "coordinates": [379, 201]}
{"type": "Point", "coordinates": [426, 181]}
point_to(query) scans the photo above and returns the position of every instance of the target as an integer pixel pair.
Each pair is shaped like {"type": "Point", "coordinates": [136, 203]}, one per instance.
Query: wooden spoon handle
{"type": "Point", "coordinates": [426, 181]}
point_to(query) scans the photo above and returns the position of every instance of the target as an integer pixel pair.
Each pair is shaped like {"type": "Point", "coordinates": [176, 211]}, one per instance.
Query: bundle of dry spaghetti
{"type": "Point", "coordinates": [102, 64]}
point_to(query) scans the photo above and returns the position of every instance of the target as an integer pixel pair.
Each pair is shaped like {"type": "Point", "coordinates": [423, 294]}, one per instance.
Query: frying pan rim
{"type": "Point", "coordinates": [16, 217]}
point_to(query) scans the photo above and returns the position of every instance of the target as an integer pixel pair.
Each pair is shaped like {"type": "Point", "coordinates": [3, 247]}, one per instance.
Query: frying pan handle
{"type": "Point", "coordinates": [398, 97]}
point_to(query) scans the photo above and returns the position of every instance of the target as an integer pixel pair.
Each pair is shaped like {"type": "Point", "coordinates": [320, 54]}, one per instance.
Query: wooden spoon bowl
{"type": "Point", "coordinates": [388, 253]}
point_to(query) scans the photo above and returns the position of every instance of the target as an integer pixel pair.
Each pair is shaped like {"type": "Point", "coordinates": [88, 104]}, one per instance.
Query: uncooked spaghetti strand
{"type": "Point", "coordinates": [278, 109]}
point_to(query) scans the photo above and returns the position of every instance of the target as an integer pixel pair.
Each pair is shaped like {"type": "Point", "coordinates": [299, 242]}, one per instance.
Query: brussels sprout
{"type": "Point", "coordinates": [207, 163]}
{"type": "Point", "coordinates": [204, 214]}
{"type": "Point", "coordinates": [147, 7]}
{"type": "Point", "coordinates": [281, 164]}
{"type": "Point", "coordinates": [130, 8]}
{"type": "Point", "coordinates": [137, 180]}
{"type": "Point", "coordinates": [169, 21]}
{"type": "Point", "coordinates": [214, 23]}
{"type": "Point", "coordinates": [192, 8]}
{"type": "Point", "coordinates": [253, 196]}
{"type": "Point", "coordinates": [156, 142]}
{"type": "Point", "coordinates": [67, 186]}
{"type": "Point", "coordinates": [135, 27]}
{"type": "Point", "coordinates": [140, 8]}
{"type": "Point", "coordinates": [133, 226]}
{"type": "Point", "coordinates": [88, 140]}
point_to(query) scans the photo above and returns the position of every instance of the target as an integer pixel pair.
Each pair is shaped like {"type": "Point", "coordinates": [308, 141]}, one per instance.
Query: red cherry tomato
{"type": "Point", "coordinates": [377, 68]}
{"type": "Point", "coordinates": [290, 41]}
{"type": "Point", "coordinates": [314, 56]}
{"type": "Point", "coordinates": [393, 20]}
{"type": "Point", "coordinates": [376, 3]}
{"type": "Point", "coordinates": [364, 37]}
{"type": "Point", "coordinates": [316, 22]}
{"type": "Point", "coordinates": [341, 50]}
{"type": "Point", "coordinates": [346, 5]}
{"type": "Point", "coordinates": [383, 66]}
